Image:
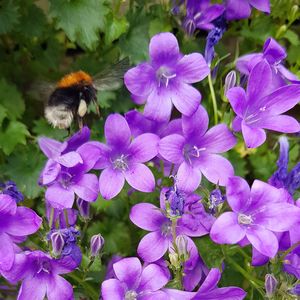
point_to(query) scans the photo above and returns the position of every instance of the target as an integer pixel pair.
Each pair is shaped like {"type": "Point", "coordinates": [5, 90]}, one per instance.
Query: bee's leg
{"type": "Point", "coordinates": [96, 106]}
{"type": "Point", "coordinates": [80, 122]}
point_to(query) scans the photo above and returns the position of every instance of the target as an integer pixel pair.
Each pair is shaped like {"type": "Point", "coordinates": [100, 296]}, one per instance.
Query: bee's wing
{"type": "Point", "coordinates": [41, 90]}
{"type": "Point", "coordinates": [111, 78]}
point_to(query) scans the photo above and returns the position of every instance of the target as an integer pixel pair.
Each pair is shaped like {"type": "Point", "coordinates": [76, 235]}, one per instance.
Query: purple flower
{"type": "Point", "coordinates": [291, 264]}
{"type": "Point", "coordinates": [194, 222]}
{"type": "Point", "coordinates": [15, 224]}
{"type": "Point", "coordinates": [59, 216]}
{"type": "Point", "coordinates": [40, 275]}
{"type": "Point", "coordinates": [241, 9]}
{"type": "Point", "coordinates": [197, 151]}
{"type": "Point", "coordinates": [134, 282]}
{"type": "Point", "coordinates": [201, 14]}
{"type": "Point", "coordinates": [167, 78]}
{"type": "Point", "coordinates": [96, 244]}
{"type": "Point", "coordinates": [256, 215]}
{"type": "Point", "coordinates": [215, 199]}
{"type": "Point", "coordinates": [282, 178]}
{"type": "Point", "coordinates": [122, 159]}
{"type": "Point", "coordinates": [10, 188]}
{"type": "Point", "coordinates": [274, 54]}
{"type": "Point", "coordinates": [260, 108]}
{"type": "Point", "coordinates": [109, 270]}
{"type": "Point", "coordinates": [295, 290]}
{"type": "Point", "coordinates": [84, 208]}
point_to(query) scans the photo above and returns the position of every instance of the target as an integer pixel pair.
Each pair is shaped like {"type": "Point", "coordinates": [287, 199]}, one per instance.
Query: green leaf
{"type": "Point", "coordinates": [80, 19]}
{"type": "Point", "coordinates": [292, 37]}
{"type": "Point", "coordinates": [24, 167]}
{"type": "Point", "coordinates": [157, 25]}
{"type": "Point", "coordinates": [114, 28]}
{"type": "Point", "coordinates": [11, 100]}
{"type": "Point", "coordinates": [3, 114]}
{"type": "Point", "coordinates": [42, 128]}
{"type": "Point", "coordinates": [9, 16]}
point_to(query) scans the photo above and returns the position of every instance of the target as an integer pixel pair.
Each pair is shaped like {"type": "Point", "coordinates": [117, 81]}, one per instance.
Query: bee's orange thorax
{"type": "Point", "coordinates": [74, 78]}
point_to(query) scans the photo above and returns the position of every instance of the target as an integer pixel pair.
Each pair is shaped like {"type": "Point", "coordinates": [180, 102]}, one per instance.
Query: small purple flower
{"type": "Point", "coordinates": [197, 151]}
{"type": "Point", "coordinates": [10, 188]}
{"type": "Point", "coordinates": [295, 290]}
{"type": "Point", "coordinates": [122, 159]}
{"type": "Point", "coordinates": [40, 275]}
{"type": "Point", "coordinates": [230, 81]}
{"type": "Point", "coordinates": [201, 14]}
{"type": "Point", "coordinates": [257, 214]}
{"type": "Point", "coordinates": [167, 78]}
{"type": "Point", "coordinates": [57, 242]}
{"type": "Point", "coordinates": [59, 216]}
{"type": "Point", "coordinates": [260, 108]}
{"type": "Point", "coordinates": [96, 244]}
{"type": "Point", "coordinates": [15, 224]}
{"type": "Point", "coordinates": [194, 222]}
{"type": "Point", "coordinates": [270, 285]}
{"type": "Point", "coordinates": [83, 208]}
{"type": "Point", "coordinates": [134, 282]}
{"type": "Point", "coordinates": [274, 54]}
{"type": "Point", "coordinates": [215, 199]}
{"type": "Point", "coordinates": [241, 9]}
{"type": "Point", "coordinates": [291, 264]}
{"type": "Point", "coordinates": [176, 201]}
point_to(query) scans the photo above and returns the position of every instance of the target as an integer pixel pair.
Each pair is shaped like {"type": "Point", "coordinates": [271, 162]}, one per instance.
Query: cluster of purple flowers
{"type": "Point", "coordinates": [264, 216]}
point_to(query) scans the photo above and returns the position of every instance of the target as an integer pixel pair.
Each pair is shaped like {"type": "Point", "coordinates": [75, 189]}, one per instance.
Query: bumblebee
{"type": "Point", "coordinates": [75, 91]}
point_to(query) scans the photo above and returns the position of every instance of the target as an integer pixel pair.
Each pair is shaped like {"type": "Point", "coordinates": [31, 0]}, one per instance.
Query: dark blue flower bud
{"type": "Point", "coordinates": [84, 208]}
{"type": "Point", "coordinates": [97, 243]}
{"type": "Point", "coordinates": [10, 188]}
{"type": "Point", "coordinates": [176, 200]}
{"type": "Point", "coordinates": [215, 199]}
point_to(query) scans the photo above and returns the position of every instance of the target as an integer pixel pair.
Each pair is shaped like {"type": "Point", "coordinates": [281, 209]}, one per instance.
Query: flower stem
{"type": "Point", "coordinates": [213, 99]}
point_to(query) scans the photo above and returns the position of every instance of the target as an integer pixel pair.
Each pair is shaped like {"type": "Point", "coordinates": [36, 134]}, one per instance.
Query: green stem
{"type": "Point", "coordinates": [51, 218]}
{"type": "Point", "coordinates": [285, 253]}
{"type": "Point", "coordinates": [66, 217]}
{"type": "Point", "coordinates": [213, 99]}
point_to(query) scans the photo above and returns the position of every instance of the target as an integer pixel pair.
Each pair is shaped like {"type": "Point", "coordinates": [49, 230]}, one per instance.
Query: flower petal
{"type": "Point", "coordinates": [246, 63]}
{"type": "Point", "coordinates": [144, 147]}
{"type": "Point", "coordinates": [51, 148]}
{"type": "Point", "coordinates": [254, 137]}
{"type": "Point", "coordinates": [7, 205]}
{"type": "Point", "coordinates": [78, 139]}
{"type": "Point", "coordinates": [237, 10]}
{"type": "Point", "coordinates": [87, 187]}
{"type": "Point", "coordinates": [111, 183]}
{"type": "Point", "coordinates": [112, 289]}
{"type": "Point", "coordinates": [147, 216]}
{"type": "Point", "coordinates": [153, 246]}
{"type": "Point", "coordinates": [215, 168]}
{"type": "Point", "coordinates": [140, 178]}
{"type": "Point", "coordinates": [211, 281]}
{"type": "Point", "coordinates": [70, 159]}
{"type": "Point", "coordinates": [237, 124]}
{"type": "Point", "coordinates": [192, 68]}
{"type": "Point", "coordinates": [90, 154]}
{"type": "Point", "coordinates": [103, 160]}
{"type": "Point", "coordinates": [281, 123]}
{"type": "Point", "coordinates": [117, 132]}
{"type": "Point", "coordinates": [158, 295]}
{"type": "Point", "coordinates": [59, 197]}
{"type": "Point", "coordinates": [171, 148]}
{"type": "Point", "coordinates": [59, 288]}
{"type": "Point", "coordinates": [50, 172]}
{"type": "Point", "coordinates": [188, 177]}
{"type": "Point", "coordinates": [32, 288]}
{"type": "Point", "coordinates": [7, 253]}
{"type": "Point", "coordinates": [226, 229]}
{"type": "Point", "coordinates": [237, 99]}
{"type": "Point", "coordinates": [263, 5]}
{"type": "Point", "coordinates": [273, 51]}
{"type": "Point", "coordinates": [263, 240]}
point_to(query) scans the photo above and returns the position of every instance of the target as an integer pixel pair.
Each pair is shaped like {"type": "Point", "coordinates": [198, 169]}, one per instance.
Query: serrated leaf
{"type": "Point", "coordinates": [24, 167]}
{"type": "Point", "coordinates": [9, 16]}
{"type": "Point", "coordinates": [14, 134]}
{"type": "Point", "coordinates": [80, 20]}
{"type": "Point", "coordinates": [115, 27]}
{"type": "Point", "coordinates": [11, 100]}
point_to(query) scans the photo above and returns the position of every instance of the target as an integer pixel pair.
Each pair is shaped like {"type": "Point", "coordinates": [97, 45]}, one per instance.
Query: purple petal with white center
{"type": "Point", "coordinates": [153, 278]}
{"type": "Point", "coordinates": [259, 83]}
{"type": "Point", "coordinates": [50, 172]}
{"type": "Point", "coordinates": [159, 105]}
{"type": "Point", "coordinates": [24, 222]}
{"type": "Point", "coordinates": [218, 139]}
{"type": "Point", "coordinates": [185, 98]}
{"type": "Point", "coordinates": [140, 178]}
{"type": "Point", "coordinates": [90, 154]}
{"type": "Point", "coordinates": [237, 193]}
{"type": "Point", "coordinates": [254, 137]}
{"type": "Point", "coordinates": [153, 246]}
{"type": "Point", "coordinates": [103, 160]}
{"type": "Point", "coordinates": [164, 48]}
{"type": "Point", "coordinates": [263, 5]}
{"type": "Point", "coordinates": [111, 182]}
{"type": "Point", "coordinates": [7, 205]}
{"type": "Point", "coordinates": [33, 288]}
{"type": "Point", "coordinates": [195, 125]}
{"type": "Point", "coordinates": [147, 216]}
{"type": "Point", "coordinates": [128, 270]}
{"type": "Point", "coordinates": [227, 230]}
{"type": "Point", "coordinates": [215, 168]}
{"type": "Point", "coordinates": [59, 197]}
{"type": "Point", "coordinates": [70, 159]}
{"type": "Point", "coordinates": [237, 99]}
{"type": "Point", "coordinates": [237, 9]}
{"type": "Point", "coordinates": [188, 177]}
{"type": "Point", "coordinates": [140, 80]}
{"type": "Point", "coordinates": [59, 288]}
{"type": "Point", "coordinates": [7, 254]}
{"type": "Point", "coordinates": [263, 240]}
{"type": "Point", "coordinates": [112, 289]}
{"type": "Point", "coordinates": [192, 68]}
{"type": "Point", "coordinates": [87, 187]}
{"type": "Point", "coordinates": [144, 147]}
{"type": "Point", "coordinates": [171, 148]}
{"type": "Point", "coordinates": [117, 132]}
{"type": "Point", "coordinates": [51, 148]}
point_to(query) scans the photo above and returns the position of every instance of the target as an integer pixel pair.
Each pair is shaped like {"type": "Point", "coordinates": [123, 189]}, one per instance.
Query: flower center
{"type": "Point", "coordinates": [256, 116]}
{"type": "Point", "coordinates": [164, 75]}
{"type": "Point", "coordinates": [131, 295]}
{"type": "Point", "coordinates": [192, 151]}
{"type": "Point", "coordinates": [121, 163]}
{"type": "Point", "coordinates": [166, 228]}
{"type": "Point", "coordinates": [245, 219]}
{"type": "Point", "coordinates": [44, 266]}
{"type": "Point", "coordinates": [66, 179]}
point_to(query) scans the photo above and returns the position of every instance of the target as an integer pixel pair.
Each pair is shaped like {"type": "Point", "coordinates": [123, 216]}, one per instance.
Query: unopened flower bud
{"type": "Point", "coordinates": [281, 31]}
{"type": "Point", "coordinates": [230, 81]}
{"type": "Point", "coordinates": [181, 243]}
{"type": "Point", "coordinates": [270, 285]}
{"type": "Point", "coordinates": [58, 242]}
{"type": "Point", "coordinates": [97, 243]}
{"type": "Point", "coordinates": [295, 290]}
{"type": "Point", "coordinates": [84, 208]}
{"type": "Point", "coordinates": [293, 13]}
{"type": "Point", "coordinates": [173, 256]}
